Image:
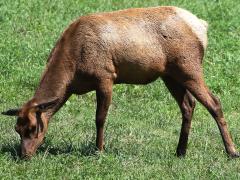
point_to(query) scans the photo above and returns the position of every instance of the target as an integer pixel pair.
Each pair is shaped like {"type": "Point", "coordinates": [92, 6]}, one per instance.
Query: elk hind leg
{"type": "Point", "coordinates": [186, 103]}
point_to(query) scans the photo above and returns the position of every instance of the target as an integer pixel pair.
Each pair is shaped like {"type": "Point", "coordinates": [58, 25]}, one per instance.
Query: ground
{"type": "Point", "coordinates": [143, 125]}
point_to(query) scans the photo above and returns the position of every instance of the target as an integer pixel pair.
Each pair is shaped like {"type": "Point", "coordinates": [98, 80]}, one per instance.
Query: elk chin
{"type": "Point", "coordinates": [30, 146]}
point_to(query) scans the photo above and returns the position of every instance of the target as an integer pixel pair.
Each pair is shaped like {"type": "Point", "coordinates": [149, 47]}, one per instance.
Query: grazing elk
{"type": "Point", "coordinates": [133, 46]}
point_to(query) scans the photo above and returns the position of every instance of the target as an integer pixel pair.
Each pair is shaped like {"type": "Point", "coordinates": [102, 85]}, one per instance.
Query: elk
{"type": "Point", "coordinates": [132, 46]}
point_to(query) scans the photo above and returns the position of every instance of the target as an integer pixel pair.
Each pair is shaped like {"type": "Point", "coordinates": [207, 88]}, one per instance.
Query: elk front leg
{"type": "Point", "coordinates": [104, 97]}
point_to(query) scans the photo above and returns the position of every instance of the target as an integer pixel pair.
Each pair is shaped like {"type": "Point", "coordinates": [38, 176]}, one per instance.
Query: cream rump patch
{"type": "Point", "coordinates": [198, 26]}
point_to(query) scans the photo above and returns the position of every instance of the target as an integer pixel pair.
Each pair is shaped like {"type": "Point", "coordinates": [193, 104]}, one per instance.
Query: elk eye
{"type": "Point", "coordinates": [32, 129]}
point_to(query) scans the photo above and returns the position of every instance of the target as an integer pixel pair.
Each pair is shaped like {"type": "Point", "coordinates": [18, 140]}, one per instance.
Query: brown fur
{"type": "Point", "coordinates": [134, 46]}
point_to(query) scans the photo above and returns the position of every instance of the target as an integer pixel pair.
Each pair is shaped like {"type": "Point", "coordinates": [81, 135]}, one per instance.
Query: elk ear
{"type": "Point", "coordinates": [12, 112]}
{"type": "Point", "coordinates": [42, 107]}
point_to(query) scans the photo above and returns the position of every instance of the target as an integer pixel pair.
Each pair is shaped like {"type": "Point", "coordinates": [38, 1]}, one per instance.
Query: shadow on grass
{"type": "Point", "coordinates": [84, 149]}
{"type": "Point", "coordinates": [87, 148]}
{"type": "Point", "coordinates": [12, 149]}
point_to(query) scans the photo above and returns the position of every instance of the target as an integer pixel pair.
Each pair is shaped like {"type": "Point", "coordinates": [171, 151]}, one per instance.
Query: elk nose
{"type": "Point", "coordinates": [26, 156]}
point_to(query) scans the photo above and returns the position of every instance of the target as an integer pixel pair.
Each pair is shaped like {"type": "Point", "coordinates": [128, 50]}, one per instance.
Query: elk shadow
{"type": "Point", "coordinates": [86, 148]}
{"type": "Point", "coordinates": [13, 150]}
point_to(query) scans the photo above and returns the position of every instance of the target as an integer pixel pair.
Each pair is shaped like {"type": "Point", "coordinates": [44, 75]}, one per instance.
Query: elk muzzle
{"type": "Point", "coordinates": [30, 146]}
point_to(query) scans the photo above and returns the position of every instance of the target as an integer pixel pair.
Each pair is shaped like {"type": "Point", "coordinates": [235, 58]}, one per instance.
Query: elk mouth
{"type": "Point", "coordinates": [27, 155]}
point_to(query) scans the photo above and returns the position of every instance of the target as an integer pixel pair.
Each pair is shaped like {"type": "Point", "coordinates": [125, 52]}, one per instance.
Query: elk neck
{"type": "Point", "coordinates": [56, 79]}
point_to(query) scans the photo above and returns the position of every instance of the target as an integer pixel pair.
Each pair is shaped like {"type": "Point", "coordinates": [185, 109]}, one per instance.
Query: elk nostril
{"type": "Point", "coordinates": [26, 156]}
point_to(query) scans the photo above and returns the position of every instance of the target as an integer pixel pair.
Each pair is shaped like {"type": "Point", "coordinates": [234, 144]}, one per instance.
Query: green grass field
{"type": "Point", "coordinates": [143, 124]}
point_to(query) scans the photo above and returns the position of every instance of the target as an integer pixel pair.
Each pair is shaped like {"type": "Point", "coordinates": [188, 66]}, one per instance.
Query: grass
{"type": "Point", "coordinates": [144, 121]}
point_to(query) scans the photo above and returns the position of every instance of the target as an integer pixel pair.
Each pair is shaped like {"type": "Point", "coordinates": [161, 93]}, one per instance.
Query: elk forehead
{"type": "Point", "coordinates": [198, 26]}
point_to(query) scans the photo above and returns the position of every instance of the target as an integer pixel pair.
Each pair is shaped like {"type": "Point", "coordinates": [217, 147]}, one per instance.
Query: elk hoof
{"type": "Point", "coordinates": [180, 153]}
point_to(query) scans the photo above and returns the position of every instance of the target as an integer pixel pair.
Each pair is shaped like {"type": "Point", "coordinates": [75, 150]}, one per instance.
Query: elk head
{"type": "Point", "coordinates": [32, 123]}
